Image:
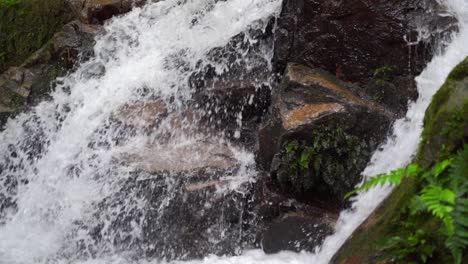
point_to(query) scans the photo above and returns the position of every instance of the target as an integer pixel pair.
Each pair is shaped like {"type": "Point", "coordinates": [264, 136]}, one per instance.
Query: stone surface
{"type": "Point", "coordinates": [26, 26]}
{"type": "Point", "coordinates": [184, 158]}
{"type": "Point", "coordinates": [354, 39]}
{"type": "Point", "coordinates": [283, 223]}
{"type": "Point", "coordinates": [446, 119]}
{"type": "Point", "coordinates": [294, 233]}
{"type": "Point", "coordinates": [98, 11]}
{"type": "Point", "coordinates": [28, 84]}
{"type": "Point", "coordinates": [319, 119]}
{"type": "Point", "coordinates": [187, 201]}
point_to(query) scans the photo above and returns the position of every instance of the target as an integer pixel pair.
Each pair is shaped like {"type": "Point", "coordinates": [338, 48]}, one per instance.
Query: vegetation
{"type": "Point", "coordinates": [26, 25]}
{"type": "Point", "coordinates": [321, 162]}
{"type": "Point", "coordinates": [443, 196]}
{"type": "Point", "coordinates": [383, 75]}
{"type": "Point", "coordinates": [424, 219]}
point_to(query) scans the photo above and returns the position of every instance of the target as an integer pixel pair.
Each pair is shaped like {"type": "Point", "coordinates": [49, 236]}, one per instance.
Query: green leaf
{"type": "Point", "coordinates": [440, 167]}
{"type": "Point", "coordinates": [304, 160]}
{"type": "Point", "coordinates": [440, 203]}
{"type": "Point", "coordinates": [393, 178]}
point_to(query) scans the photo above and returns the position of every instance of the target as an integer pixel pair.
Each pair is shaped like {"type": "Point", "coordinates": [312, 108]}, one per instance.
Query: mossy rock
{"type": "Point", "coordinates": [446, 120]}
{"type": "Point", "coordinates": [445, 132]}
{"type": "Point", "coordinates": [325, 164]}
{"type": "Point", "coordinates": [26, 25]}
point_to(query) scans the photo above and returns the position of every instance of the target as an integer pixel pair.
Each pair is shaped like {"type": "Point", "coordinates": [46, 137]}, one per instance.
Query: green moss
{"type": "Point", "coordinates": [444, 134]}
{"type": "Point", "coordinates": [329, 162]}
{"type": "Point", "coordinates": [446, 118]}
{"type": "Point", "coordinates": [460, 72]}
{"type": "Point", "coordinates": [26, 25]}
{"type": "Point", "coordinates": [383, 75]}
{"type": "Point", "coordinates": [11, 99]}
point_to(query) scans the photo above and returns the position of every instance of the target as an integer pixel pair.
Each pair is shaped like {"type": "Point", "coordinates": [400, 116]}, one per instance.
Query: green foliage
{"type": "Point", "coordinates": [440, 203]}
{"type": "Point", "coordinates": [392, 178]}
{"type": "Point", "coordinates": [443, 195]}
{"type": "Point", "coordinates": [458, 174]}
{"type": "Point", "coordinates": [325, 159]}
{"type": "Point", "coordinates": [26, 25]}
{"type": "Point", "coordinates": [456, 122]}
{"type": "Point", "coordinates": [383, 74]}
{"type": "Point", "coordinates": [411, 247]}
{"type": "Point", "coordinates": [8, 3]}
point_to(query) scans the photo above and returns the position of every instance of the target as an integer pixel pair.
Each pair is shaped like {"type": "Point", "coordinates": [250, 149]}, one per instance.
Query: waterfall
{"type": "Point", "coordinates": [63, 164]}
{"type": "Point", "coordinates": [74, 169]}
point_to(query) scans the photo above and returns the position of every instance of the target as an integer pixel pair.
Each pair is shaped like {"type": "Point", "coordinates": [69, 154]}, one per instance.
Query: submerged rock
{"type": "Point", "coordinates": [320, 135]}
{"type": "Point", "coordinates": [186, 202]}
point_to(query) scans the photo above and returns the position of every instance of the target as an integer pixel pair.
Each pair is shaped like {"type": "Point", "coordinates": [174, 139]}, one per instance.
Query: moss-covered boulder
{"type": "Point", "coordinates": [446, 120]}
{"type": "Point", "coordinates": [445, 132]}
{"type": "Point", "coordinates": [26, 25]}
{"type": "Point", "coordinates": [319, 135]}
{"type": "Point", "coordinates": [31, 82]}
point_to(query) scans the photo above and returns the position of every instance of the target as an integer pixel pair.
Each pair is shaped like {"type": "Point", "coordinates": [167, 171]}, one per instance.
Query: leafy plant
{"type": "Point", "coordinates": [8, 3]}
{"type": "Point", "coordinates": [440, 203]}
{"type": "Point", "coordinates": [444, 195]}
{"type": "Point", "coordinates": [383, 74]}
{"type": "Point", "coordinates": [414, 246]}
{"type": "Point", "coordinates": [456, 122]}
{"type": "Point", "coordinates": [394, 178]}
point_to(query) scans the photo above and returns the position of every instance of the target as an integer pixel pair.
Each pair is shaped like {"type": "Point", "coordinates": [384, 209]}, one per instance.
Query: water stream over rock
{"type": "Point", "coordinates": [144, 152]}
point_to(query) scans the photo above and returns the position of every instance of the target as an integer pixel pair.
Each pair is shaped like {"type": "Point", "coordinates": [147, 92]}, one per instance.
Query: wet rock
{"type": "Point", "coordinates": [283, 223]}
{"type": "Point", "coordinates": [234, 108]}
{"type": "Point", "coordinates": [446, 119]}
{"type": "Point", "coordinates": [355, 39]}
{"type": "Point", "coordinates": [30, 83]}
{"type": "Point", "coordinates": [142, 114]}
{"type": "Point", "coordinates": [235, 99]}
{"type": "Point", "coordinates": [187, 202]}
{"type": "Point", "coordinates": [319, 135]}
{"type": "Point", "coordinates": [26, 26]}
{"type": "Point", "coordinates": [98, 11]}
{"type": "Point", "coordinates": [184, 158]}
{"type": "Point", "coordinates": [295, 233]}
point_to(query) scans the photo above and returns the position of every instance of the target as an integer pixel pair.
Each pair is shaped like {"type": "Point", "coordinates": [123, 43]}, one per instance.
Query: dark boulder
{"type": "Point", "coordinates": [187, 202]}
{"type": "Point", "coordinates": [356, 39]}
{"type": "Point", "coordinates": [320, 135]}
{"type": "Point", "coordinates": [98, 11]}
{"type": "Point", "coordinates": [294, 233]}
{"type": "Point", "coordinates": [284, 223]}
{"type": "Point", "coordinates": [235, 99]}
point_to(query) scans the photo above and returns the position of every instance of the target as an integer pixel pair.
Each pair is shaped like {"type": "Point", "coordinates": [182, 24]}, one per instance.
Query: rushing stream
{"type": "Point", "coordinates": [62, 165]}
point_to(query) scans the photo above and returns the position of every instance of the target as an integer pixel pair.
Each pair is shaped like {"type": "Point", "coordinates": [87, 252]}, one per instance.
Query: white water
{"type": "Point", "coordinates": [58, 162]}
{"type": "Point", "coordinates": [134, 53]}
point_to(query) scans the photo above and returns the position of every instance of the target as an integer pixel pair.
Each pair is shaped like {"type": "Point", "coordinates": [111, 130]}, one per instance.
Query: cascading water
{"type": "Point", "coordinates": [63, 165]}
{"type": "Point", "coordinates": [108, 166]}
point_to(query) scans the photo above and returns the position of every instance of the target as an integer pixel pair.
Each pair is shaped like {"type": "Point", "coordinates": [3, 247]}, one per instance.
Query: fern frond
{"type": "Point", "coordinates": [440, 202]}
{"type": "Point", "coordinates": [394, 178]}
{"type": "Point", "coordinates": [458, 175]}
{"type": "Point", "coordinates": [458, 172]}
